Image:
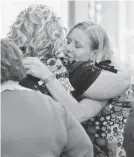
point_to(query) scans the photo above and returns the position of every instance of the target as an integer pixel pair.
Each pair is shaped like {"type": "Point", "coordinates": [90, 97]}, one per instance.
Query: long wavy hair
{"type": "Point", "coordinates": [98, 38]}
{"type": "Point", "coordinates": [38, 32]}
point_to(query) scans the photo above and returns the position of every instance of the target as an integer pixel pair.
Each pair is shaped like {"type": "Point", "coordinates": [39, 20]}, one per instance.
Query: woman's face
{"type": "Point", "coordinates": [78, 45]}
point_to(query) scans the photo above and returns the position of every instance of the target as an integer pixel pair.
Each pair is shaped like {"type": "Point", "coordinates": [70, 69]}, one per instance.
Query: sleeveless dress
{"type": "Point", "coordinates": [106, 129]}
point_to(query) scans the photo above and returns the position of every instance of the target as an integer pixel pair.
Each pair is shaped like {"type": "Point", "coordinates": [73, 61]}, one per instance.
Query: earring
{"type": "Point", "coordinates": [93, 58]}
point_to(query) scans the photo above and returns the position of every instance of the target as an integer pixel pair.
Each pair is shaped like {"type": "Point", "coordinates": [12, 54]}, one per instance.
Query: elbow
{"type": "Point", "coordinates": [89, 152]}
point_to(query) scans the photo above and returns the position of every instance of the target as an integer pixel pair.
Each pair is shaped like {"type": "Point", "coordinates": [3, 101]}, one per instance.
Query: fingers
{"type": "Point", "coordinates": [31, 60]}
{"type": "Point", "coordinates": [35, 67]}
{"type": "Point", "coordinates": [29, 69]}
{"type": "Point", "coordinates": [28, 66]}
{"type": "Point", "coordinates": [27, 61]}
{"type": "Point", "coordinates": [29, 72]}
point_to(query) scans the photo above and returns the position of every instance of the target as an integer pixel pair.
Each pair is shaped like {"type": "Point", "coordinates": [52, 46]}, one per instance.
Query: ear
{"type": "Point", "coordinates": [99, 57]}
{"type": "Point", "coordinates": [94, 52]}
{"type": "Point", "coordinates": [94, 56]}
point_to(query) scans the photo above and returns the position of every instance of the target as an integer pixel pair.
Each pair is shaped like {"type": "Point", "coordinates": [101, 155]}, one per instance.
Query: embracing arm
{"type": "Point", "coordinates": [82, 111]}
{"type": "Point", "coordinates": [109, 85]}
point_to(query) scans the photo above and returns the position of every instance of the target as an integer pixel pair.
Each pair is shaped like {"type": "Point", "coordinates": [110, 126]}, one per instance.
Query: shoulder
{"type": "Point", "coordinates": [28, 97]}
{"type": "Point", "coordinates": [37, 97]}
{"type": "Point", "coordinates": [34, 103]}
{"type": "Point", "coordinates": [47, 103]}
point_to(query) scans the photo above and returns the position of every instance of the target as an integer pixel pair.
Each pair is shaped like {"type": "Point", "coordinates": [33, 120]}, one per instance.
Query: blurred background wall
{"type": "Point", "coordinates": [116, 17]}
{"type": "Point", "coordinates": [9, 9]}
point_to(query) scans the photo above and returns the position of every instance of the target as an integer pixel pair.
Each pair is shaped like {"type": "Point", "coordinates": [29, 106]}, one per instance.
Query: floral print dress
{"type": "Point", "coordinates": [107, 128]}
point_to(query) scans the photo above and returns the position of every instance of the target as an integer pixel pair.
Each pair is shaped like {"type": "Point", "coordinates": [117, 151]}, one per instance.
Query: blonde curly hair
{"type": "Point", "coordinates": [38, 32]}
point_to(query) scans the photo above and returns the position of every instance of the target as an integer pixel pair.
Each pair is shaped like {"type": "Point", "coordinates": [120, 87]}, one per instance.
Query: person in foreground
{"type": "Point", "coordinates": [94, 74]}
{"type": "Point", "coordinates": [33, 124]}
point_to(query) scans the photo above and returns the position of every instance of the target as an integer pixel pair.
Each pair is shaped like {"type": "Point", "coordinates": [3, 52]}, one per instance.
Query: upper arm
{"type": "Point", "coordinates": [78, 143]}
{"type": "Point", "coordinates": [108, 85]}
{"type": "Point", "coordinates": [91, 107]}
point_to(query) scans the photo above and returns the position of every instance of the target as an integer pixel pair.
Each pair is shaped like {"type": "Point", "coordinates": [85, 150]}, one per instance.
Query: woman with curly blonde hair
{"type": "Point", "coordinates": [37, 30]}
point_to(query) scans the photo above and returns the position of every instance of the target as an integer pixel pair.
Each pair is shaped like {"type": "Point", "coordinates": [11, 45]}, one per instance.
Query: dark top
{"type": "Point", "coordinates": [81, 75]}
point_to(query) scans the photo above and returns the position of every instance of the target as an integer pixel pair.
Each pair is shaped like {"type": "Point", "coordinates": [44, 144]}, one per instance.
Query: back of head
{"type": "Point", "coordinates": [98, 38]}
{"type": "Point", "coordinates": [38, 32]}
{"type": "Point", "coordinates": [11, 62]}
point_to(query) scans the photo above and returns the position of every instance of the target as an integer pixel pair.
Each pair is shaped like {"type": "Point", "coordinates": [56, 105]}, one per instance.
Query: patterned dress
{"type": "Point", "coordinates": [106, 129]}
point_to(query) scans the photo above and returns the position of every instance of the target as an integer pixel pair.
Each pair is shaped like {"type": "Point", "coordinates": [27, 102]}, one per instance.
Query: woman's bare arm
{"type": "Point", "coordinates": [82, 111]}
{"type": "Point", "coordinates": [109, 85]}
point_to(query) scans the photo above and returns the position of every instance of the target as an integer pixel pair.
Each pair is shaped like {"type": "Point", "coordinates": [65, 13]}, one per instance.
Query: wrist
{"type": "Point", "coordinates": [49, 78]}
{"type": "Point", "coordinates": [46, 75]}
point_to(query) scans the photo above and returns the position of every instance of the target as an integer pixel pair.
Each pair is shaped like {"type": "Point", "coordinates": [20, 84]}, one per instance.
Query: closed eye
{"type": "Point", "coordinates": [78, 45]}
{"type": "Point", "coordinates": [69, 40]}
